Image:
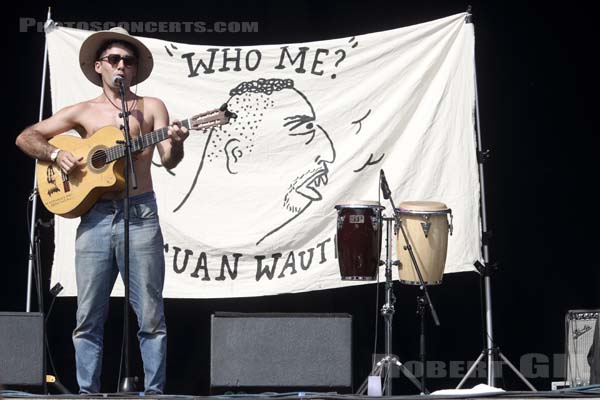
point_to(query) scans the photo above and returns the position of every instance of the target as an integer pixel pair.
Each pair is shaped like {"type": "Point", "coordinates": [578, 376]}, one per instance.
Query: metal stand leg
{"type": "Point", "coordinates": [491, 351]}
{"type": "Point", "coordinates": [384, 368]}
{"type": "Point", "coordinates": [470, 371]}
{"type": "Point", "coordinates": [517, 372]}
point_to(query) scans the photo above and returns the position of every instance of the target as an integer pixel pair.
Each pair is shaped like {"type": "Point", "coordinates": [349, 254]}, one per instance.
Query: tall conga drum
{"type": "Point", "coordinates": [359, 239]}
{"type": "Point", "coordinates": [426, 224]}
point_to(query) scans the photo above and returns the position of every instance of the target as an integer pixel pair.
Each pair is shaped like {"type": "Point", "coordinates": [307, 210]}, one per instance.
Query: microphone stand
{"type": "Point", "coordinates": [127, 383]}
{"type": "Point", "coordinates": [426, 299]}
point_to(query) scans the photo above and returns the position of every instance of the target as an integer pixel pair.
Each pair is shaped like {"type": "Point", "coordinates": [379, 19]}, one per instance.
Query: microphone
{"type": "Point", "coordinates": [384, 185]}
{"type": "Point", "coordinates": [118, 80]}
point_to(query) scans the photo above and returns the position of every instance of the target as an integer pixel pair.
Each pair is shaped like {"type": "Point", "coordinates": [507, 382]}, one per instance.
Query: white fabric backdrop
{"type": "Point", "coordinates": [250, 209]}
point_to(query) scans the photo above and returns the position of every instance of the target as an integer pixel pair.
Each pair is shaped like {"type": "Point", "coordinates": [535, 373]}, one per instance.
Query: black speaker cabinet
{"type": "Point", "coordinates": [21, 349]}
{"type": "Point", "coordinates": [277, 352]}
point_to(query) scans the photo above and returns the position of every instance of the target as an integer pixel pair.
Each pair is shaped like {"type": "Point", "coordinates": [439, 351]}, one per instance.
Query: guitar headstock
{"type": "Point", "coordinates": [209, 119]}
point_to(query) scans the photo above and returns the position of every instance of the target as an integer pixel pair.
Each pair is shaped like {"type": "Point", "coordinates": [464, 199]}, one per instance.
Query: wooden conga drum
{"type": "Point", "coordinates": [426, 224]}
{"type": "Point", "coordinates": [359, 239]}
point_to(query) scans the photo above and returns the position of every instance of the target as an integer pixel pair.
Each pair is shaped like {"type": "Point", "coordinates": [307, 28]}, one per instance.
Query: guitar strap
{"type": "Point", "coordinates": [140, 107]}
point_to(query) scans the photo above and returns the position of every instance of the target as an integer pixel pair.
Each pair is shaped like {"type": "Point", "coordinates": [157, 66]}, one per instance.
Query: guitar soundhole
{"type": "Point", "coordinates": [99, 159]}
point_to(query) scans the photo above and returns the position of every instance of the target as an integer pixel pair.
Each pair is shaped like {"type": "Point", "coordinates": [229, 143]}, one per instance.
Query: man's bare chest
{"type": "Point", "coordinates": [97, 118]}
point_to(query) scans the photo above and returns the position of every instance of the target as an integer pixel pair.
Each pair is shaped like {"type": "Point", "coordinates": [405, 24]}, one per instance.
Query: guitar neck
{"type": "Point", "coordinates": [141, 142]}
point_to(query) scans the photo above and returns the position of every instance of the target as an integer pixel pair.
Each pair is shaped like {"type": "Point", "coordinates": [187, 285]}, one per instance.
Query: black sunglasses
{"type": "Point", "coordinates": [114, 60]}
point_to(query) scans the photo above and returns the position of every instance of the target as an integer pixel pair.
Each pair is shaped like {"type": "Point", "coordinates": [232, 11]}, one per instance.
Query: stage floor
{"type": "Point", "coordinates": [587, 393]}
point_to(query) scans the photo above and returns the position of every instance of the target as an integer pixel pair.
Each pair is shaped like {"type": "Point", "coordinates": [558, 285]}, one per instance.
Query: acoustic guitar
{"type": "Point", "coordinates": [103, 153]}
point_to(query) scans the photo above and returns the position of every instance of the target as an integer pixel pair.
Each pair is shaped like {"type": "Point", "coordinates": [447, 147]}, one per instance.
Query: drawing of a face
{"type": "Point", "coordinates": [275, 154]}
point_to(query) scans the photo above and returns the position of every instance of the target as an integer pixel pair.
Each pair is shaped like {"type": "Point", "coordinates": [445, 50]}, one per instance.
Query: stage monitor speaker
{"type": "Point", "coordinates": [22, 349]}
{"type": "Point", "coordinates": [279, 351]}
{"type": "Point", "coordinates": [579, 336]}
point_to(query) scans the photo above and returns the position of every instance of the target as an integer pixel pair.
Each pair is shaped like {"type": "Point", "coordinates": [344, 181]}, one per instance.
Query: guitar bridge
{"type": "Point", "coordinates": [65, 180]}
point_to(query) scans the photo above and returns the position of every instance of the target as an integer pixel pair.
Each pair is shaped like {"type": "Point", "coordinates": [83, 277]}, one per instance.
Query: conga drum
{"type": "Point", "coordinates": [359, 239]}
{"type": "Point", "coordinates": [426, 224]}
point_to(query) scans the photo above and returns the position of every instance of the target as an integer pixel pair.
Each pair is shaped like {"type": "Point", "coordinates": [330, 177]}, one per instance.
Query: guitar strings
{"type": "Point", "coordinates": [120, 148]}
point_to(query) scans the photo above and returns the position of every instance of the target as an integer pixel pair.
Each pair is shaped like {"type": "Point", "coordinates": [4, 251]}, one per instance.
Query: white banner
{"type": "Point", "coordinates": [250, 211]}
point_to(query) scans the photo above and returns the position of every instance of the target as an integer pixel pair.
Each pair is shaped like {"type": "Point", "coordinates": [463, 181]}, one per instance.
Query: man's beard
{"type": "Point", "coordinates": [305, 189]}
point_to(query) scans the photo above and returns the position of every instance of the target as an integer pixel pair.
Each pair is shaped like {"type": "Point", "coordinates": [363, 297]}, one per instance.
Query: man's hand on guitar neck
{"type": "Point", "coordinates": [68, 162]}
{"type": "Point", "coordinates": [177, 133]}
{"type": "Point", "coordinates": [172, 150]}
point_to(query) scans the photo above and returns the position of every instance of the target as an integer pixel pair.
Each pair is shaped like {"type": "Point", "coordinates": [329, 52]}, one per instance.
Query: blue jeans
{"type": "Point", "coordinates": [99, 258]}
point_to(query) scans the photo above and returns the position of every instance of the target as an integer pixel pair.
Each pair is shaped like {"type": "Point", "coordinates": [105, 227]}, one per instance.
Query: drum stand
{"type": "Point", "coordinates": [421, 304]}
{"type": "Point", "coordinates": [383, 367]}
{"type": "Point", "coordinates": [389, 360]}
{"type": "Point", "coordinates": [422, 301]}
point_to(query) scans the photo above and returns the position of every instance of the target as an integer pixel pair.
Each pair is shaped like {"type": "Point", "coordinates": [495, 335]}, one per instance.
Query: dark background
{"type": "Point", "coordinates": [537, 85]}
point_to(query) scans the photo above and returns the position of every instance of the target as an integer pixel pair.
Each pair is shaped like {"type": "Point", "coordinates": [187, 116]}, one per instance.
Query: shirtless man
{"type": "Point", "coordinates": [99, 245]}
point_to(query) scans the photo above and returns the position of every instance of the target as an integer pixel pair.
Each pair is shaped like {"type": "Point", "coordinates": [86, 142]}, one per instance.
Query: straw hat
{"type": "Point", "coordinates": [90, 46]}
